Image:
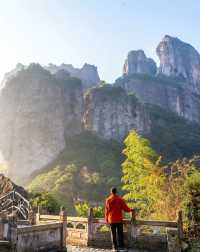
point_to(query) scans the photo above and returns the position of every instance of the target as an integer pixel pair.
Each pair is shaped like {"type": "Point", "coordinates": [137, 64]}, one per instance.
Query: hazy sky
{"type": "Point", "coordinates": [99, 32]}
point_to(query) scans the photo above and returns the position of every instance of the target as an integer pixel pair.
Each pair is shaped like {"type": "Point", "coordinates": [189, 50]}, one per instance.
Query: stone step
{"type": "Point", "coordinates": [4, 243]}
{"type": "Point", "coordinates": [5, 246]}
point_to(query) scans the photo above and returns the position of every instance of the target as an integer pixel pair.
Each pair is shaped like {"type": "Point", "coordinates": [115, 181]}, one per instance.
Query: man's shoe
{"type": "Point", "coordinates": [122, 250]}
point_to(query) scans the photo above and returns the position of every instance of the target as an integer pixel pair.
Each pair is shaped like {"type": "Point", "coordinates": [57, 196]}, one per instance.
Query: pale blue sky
{"type": "Point", "coordinates": [99, 32]}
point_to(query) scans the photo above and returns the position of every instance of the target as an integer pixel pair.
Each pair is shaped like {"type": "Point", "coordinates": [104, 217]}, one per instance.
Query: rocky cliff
{"type": "Point", "coordinates": [6, 186]}
{"type": "Point", "coordinates": [37, 111]}
{"type": "Point", "coordinates": [88, 74]}
{"type": "Point", "coordinates": [181, 60]}
{"type": "Point", "coordinates": [175, 85]}
{"type": "Point", "coordinates": [41, 108]}
{"type": "Point", "coordinates": [111, 113]}
{"type": "Point", "coordinates": [137, 62]}
{"type": "Point", "coordinates": [167, 93]}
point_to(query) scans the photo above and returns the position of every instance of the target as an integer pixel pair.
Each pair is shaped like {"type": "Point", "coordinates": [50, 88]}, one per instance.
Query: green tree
{"type": "Point", "coordinates": [142, 175]}
{"type": "Point", "coordinates": [192, 204]}
{"type": "Point", "coordinates": [82, 210]}
{"type": "Point", "coordinates": [63, 184]}
{"type": "Point", "coordinates": [178, 177]}
{"type": "Point", "coordinates": [46, 201]}
{"type": "Point", "coordinates": [88, 164]}
{"type": "Point", "coordinates": [103, 83]}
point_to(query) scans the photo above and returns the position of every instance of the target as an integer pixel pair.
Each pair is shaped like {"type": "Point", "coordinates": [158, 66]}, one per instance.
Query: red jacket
{"type": "Point", "coordinates": [114, 208]}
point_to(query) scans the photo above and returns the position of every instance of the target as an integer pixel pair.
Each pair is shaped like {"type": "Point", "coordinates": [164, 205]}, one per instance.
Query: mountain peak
{"type": "Point", "coordinates": [88, 74]}
{"type": "Point", "coordinates": [179, 59]}
{"type": "Point", "coordinates": [137, 62]}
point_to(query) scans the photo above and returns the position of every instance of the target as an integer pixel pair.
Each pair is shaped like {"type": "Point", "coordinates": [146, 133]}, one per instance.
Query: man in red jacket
{"type": "Point", "coordinates": [114, 208]}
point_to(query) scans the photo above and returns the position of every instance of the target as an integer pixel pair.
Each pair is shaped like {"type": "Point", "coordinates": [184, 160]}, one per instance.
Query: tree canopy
{"type": "Point", "coordinates": [142, 177]}
{"type": "Point", "coordinates": [158, 190]}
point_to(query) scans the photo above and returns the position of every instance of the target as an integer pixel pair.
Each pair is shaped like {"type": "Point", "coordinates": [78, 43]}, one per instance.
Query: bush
{"type": "Point", "coordinates": [192, 204]}
{"type": "Point", "coordinates": [45, 201]}
{"type": "Point", "coordinates": [82, 210]}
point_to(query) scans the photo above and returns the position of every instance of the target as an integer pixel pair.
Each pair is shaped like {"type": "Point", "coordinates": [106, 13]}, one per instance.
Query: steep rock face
{"type": "Point", "coordinates": [164, 93]}
{"type": "Point", "coordinates": [62, 75]}
{"type": "Point", "coordinates": [88, 74]}
{"type": "Point", "coordinates": [179, 59]}
{"type": "Point", "coordinates": [12, 73]}
{"type": "Point", "coordinates": [137, 62]}
{"type": "Point", "coordinates": [111, 113]}
{"type": "Point", "coordinates": [6, 186]}
{"type": "Point", "coordinates": [37, 111]}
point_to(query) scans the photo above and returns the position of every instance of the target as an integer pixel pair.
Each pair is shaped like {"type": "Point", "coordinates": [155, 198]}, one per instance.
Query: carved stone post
{"type": "Point", "coordinates": [37, 218]}
{"type": "Point", "coordinates": [180, 227]}
{"type": "Point", "coordinates": [90, 226]}
{"type": "Point", "coordinates": [31, 217]}
{"type": "Point", "coordinates": [63, 219]}
{"type": "Point", "coordinates": [173, 243]}
{"type": "Point", "coordinates": [133, 231]}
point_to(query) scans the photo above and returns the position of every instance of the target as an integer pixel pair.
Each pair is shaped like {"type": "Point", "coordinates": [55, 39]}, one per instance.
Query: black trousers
{"type": "Point", "coordinates": [117, 235]}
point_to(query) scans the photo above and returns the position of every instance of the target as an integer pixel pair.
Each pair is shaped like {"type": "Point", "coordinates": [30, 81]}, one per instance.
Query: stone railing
{"type": "Point", "coordinates": [38, 238]}
{"type": "Point", "coordinates": [95, 232]}
{"type": "Point", "coordinates": [22, 236]}
{"type": "Point", "coordinates": [77, 231]}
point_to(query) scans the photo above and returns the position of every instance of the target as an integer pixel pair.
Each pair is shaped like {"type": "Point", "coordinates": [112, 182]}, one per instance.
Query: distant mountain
{"type": "Point", "coordinates": [42, 107]}
{"type": "Point", "coordinates": [137, 62]}
{"type": "Point", "coordinates": [88, 74]}
{"type": "Point", "coordinates": [37, 111]}
{"type": "Point", "coordinates": [174, 86]}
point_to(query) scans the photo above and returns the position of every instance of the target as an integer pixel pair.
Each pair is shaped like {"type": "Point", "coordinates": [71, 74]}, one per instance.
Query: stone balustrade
{"type": "Point", "coordinates": [43, 237]}
{"type": "Point", "coordinates": [94, 232]}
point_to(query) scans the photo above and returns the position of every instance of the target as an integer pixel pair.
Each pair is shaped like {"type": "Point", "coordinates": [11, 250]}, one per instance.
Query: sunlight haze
{"type": "Point", "coordinates": [96, 32]}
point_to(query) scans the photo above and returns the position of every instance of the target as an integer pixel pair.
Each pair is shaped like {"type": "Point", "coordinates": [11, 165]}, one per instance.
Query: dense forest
{"type": "Point", "coordinates": [90, 163]}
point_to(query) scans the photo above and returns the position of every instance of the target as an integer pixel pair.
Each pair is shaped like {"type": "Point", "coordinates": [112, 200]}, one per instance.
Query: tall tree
{"type": "Point", "coordinates": [142, 175]}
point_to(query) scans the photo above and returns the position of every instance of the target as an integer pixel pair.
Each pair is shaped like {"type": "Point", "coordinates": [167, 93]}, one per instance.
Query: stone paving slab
{"type": "Point", "coordinates": [81, 249]}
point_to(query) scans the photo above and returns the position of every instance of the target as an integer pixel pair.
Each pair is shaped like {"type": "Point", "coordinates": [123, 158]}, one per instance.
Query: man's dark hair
{"type": "Point", "coordinates": [114, 190]}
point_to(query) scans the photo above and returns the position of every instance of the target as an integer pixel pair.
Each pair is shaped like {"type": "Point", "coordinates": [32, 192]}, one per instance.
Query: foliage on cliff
{"type": "Point", "coordinates": [84, 171]}
{"type": "Point", "coordinates": [45, 201]}
{"type": "Point", "coordinates": [172, 136]}
{"type": "Point", "coordinates": [152, 80]}
{"type": "Point", "coordinates": [106, 91]}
